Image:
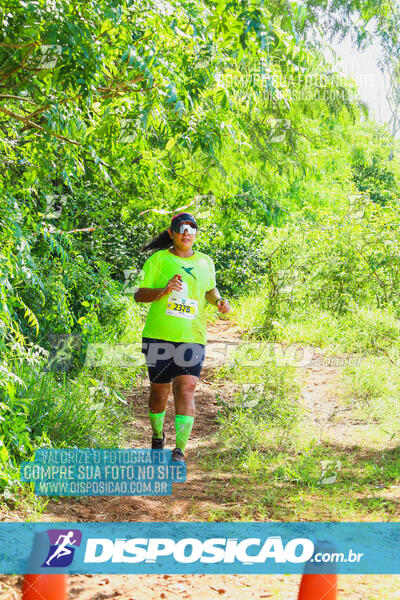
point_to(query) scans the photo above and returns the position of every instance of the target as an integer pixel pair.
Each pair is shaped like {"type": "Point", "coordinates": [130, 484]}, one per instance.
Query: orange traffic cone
{"type": "Point", "coordinates": [44, 587]}
{"type": "Point", "coordinates": [318, 587]}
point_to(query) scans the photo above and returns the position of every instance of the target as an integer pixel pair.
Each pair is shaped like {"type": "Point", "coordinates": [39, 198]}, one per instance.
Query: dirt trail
{"type": "Point", "coordinates": [320, 389]}
{"type": "Point", "coordinates": [319, 382]}
{"type": "Point", "coordinates": [335, 420]}
{"type": "Point", "coordinates": [196, 491]}
{"type": "Point", "coordinates": [200, 491]}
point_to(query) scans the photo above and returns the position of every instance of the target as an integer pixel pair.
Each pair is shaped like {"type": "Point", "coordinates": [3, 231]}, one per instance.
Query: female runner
{"type": "Point", "coordinates": [176, 280]}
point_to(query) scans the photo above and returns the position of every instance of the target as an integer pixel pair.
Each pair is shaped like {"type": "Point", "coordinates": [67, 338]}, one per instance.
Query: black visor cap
{"type": "Point", "coordinates": [176, 221]}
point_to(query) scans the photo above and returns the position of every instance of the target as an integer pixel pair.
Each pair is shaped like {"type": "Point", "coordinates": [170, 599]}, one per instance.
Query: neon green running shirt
{"type": "Point", "coordinates": [178, 316]}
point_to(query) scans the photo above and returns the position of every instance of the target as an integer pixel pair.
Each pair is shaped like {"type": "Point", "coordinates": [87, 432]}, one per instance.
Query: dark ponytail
{"type": "Point", "coordinates": [161, 242]}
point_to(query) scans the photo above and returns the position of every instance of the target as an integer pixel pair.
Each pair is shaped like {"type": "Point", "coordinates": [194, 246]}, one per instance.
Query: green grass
{"type": "Point", "coordinates": [293, 485]}
{"type": "Point", "coordinates": [264, 406]}
{"type": "Point", "coordinates": [361, 330]}
{"type": "Point", "coordinates": [371, 389]}
{"type": "Point", "coordinates": [278, 469]}
{"type": "Point", "coordinates": [268, 462]}
{"type": "Point", "coordinates": [81, 408]}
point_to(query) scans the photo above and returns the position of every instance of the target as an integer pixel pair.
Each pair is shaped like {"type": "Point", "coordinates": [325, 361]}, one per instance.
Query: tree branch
{"type": "Point", "coordinates": [6, 45]}
{"type": "Point", "coordinates": [11, 97]}
{"type": "Point", "coordinates": [109, 183]}
{"type": "Point", "coordinates": [36, 126]}
{"type": "Point", "coordinates": [18, 67]}
{"type": "Point", "coordinates": [100, 90]}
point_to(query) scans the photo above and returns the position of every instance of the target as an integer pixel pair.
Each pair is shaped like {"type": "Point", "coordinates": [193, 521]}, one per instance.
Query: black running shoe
{"type": "Point", "coordinates": [177, 454]}
{"type": "Point", "coordinates": [158, 443]}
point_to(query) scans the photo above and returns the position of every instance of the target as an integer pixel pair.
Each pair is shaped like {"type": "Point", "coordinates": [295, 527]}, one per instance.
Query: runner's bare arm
{"type": "Point", "coordinates": [148, 294]}
{"type": "Point", "coordinates": [212, 296]}
{"type": "Point", "coordinates": [151, 294]}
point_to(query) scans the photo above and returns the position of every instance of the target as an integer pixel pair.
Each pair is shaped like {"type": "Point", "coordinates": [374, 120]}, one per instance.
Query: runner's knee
{"type": "Point", "coordinates": [159, 392]}
{"type": "Point", "coordinates": [184, 386]}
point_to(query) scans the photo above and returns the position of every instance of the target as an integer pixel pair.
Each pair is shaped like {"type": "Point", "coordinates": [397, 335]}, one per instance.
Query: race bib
{"type": "Point", "coordinates": [185, 308]}
{"type": "Point", "coordinates": [178, 305]}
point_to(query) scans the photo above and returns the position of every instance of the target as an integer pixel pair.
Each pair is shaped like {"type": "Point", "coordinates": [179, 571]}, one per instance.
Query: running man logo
{"type": "Point", "coordinates": [61, 552]}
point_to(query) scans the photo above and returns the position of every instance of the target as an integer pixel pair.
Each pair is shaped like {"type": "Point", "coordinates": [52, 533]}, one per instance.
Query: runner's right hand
{"type": "Point", "coordinates": [175, 283]}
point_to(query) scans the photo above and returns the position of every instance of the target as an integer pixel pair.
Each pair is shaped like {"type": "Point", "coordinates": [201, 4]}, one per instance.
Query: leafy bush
{"type": "Point", "coordinates": [376, 180]}
{"type": "Point", "coordinates": [58, 412]}
{"type": "Point", "coordinates": [335, 264]}
{"type": "Point", "coordinates": [235, 250]}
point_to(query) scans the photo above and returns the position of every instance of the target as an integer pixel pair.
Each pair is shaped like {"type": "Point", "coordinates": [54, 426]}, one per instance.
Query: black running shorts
{"type": "Point", "coordinates": [165, 360]}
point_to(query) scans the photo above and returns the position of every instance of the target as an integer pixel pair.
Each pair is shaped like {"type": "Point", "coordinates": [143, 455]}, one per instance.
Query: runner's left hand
{"type": "Point", "coordinates": [224, 306]}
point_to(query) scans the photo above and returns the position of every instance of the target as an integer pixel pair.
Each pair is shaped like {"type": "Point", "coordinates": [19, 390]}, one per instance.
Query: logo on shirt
{"type": "Point", "coordinates": [188, 271]}
{"type": "Point", "coordinates": [62, 542]}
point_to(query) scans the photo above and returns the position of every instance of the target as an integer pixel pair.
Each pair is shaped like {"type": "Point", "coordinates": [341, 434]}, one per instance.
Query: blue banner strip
{"type": "Point", "coordinates": [250, 548]}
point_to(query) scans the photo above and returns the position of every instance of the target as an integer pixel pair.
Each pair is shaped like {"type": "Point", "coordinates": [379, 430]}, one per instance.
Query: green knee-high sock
{"type": "Point", "coordinates": [157, 420]}
{"type": "Point", "coordinates": [183, 427]}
